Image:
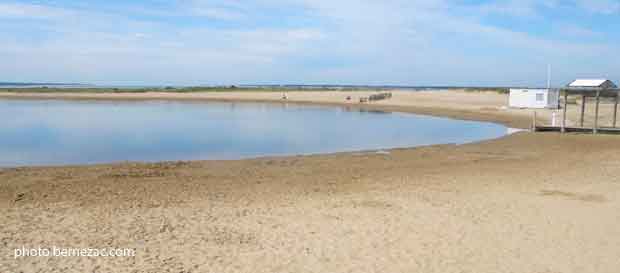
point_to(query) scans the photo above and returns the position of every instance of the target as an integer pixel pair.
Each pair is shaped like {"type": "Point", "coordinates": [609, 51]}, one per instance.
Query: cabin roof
{"type": "Point", "coordinates": [591, 83]}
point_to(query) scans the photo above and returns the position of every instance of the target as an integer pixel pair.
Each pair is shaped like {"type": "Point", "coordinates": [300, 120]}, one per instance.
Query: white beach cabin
{"type": "Point", "coordinates": [534, 98]}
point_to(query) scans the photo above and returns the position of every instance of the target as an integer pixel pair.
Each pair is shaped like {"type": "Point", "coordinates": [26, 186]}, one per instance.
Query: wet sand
{"type": "Point", "coordinates": [522, 203]}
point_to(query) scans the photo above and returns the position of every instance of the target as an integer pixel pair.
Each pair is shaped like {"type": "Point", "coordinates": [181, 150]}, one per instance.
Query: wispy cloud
{"type": "Point", "coordinates": [536, 8]}
{"type": "Point", "coordinates": [574, 31]}
{"type": "Point", "coordinates": [305, 41]}
{"type": "Point", "coordinates": [600, 6]}
{"type": "Point", "coordinates": [218, 13]}
{"type": "Point", "coordinates": [30, 11]}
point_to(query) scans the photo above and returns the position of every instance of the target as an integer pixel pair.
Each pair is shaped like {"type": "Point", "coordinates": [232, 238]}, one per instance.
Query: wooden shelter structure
{"type": "Point", "coordinates": [588, 89]}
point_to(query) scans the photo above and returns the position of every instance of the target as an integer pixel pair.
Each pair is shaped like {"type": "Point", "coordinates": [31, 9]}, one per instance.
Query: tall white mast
{"type": "Point", "coordinates": [549, 76]}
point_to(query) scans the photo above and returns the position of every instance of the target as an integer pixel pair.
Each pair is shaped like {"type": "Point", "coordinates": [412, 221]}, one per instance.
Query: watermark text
{"type": "Point", "coordinates": [73, 252]}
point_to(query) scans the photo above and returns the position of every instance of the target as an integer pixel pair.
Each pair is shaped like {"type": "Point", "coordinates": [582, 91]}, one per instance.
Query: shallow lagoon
{"type": "Point", "coordinates": [55, 132]}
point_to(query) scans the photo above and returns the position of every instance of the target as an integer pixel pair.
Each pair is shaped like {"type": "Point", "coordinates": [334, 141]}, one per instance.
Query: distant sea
{"type": "Point", "coordinates": [35, 85]}
{"type": "Point", "coordinates": [267, 86]}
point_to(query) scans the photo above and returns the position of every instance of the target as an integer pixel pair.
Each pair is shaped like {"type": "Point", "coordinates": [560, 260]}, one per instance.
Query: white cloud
{"type": "Point", "coordinates": [600, 6]}
{"type": "Point", "coordinates": [513, 8]}
{"type": "Point", "coordinates": [532, 8]}
{"type": "Point", "coordinates": [218, 13]}
{"type": "Point", "coordinates": [575, 31]}
{"type": "Point", "coordinates": [18, 10]}
{"type": "Point", "coordinates": [382, 42]}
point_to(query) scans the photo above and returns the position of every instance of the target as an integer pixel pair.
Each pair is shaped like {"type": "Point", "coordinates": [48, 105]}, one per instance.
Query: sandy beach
{"type": "Point", "coordinates": [524, 203]}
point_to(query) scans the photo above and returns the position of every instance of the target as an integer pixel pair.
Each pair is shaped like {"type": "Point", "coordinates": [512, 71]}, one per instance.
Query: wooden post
{"type": "Point", "coordinates": [563, 130]}
{"type": "Point", "coordinates": [583, 108]}
{"type": "Point", "coordinates": [598, 102]}
{"type": "Point", "coordinates": [534, 122]}
{"type": "Point", "coordinates": [616, 110]}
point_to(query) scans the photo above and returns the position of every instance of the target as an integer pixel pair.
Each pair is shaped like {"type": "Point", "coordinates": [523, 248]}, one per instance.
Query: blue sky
{"type": "Point", "coordinates": [408, 42]}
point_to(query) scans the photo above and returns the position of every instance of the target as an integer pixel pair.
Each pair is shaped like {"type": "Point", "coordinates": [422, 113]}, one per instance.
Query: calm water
{"type": "Point", "coordinates": [50, 132]}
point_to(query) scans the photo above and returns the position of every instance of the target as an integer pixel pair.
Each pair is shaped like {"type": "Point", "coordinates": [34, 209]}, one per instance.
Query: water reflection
{"type": "Point", "coordinates": [47, 132]}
